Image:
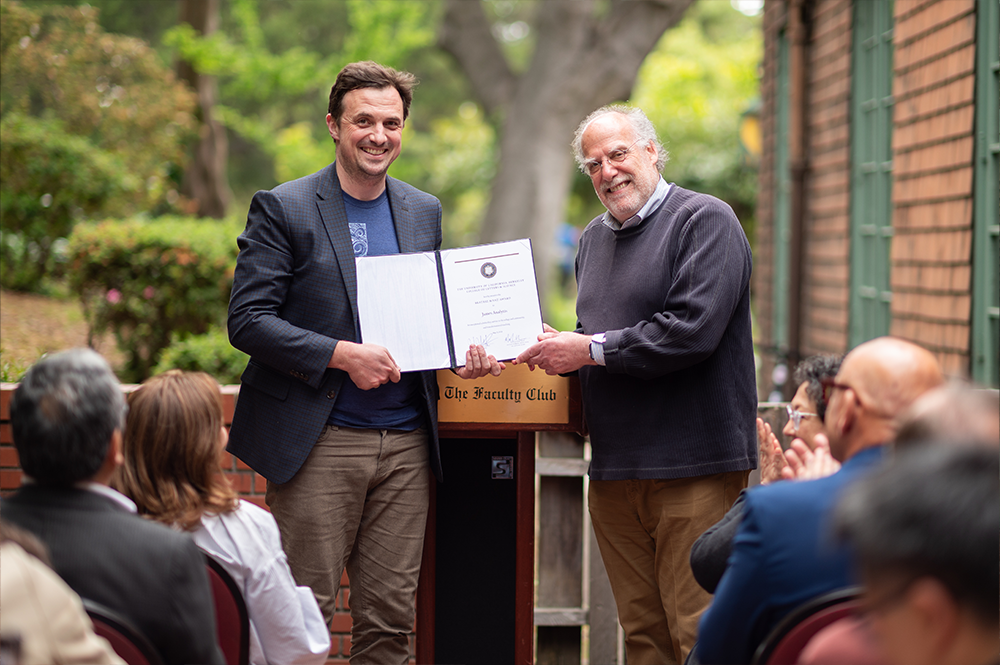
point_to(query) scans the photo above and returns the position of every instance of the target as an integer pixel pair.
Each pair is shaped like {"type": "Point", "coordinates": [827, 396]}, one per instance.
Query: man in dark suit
{"type": "Point", "coordinates": [343, 438]}
{"type": "Point", "coordinates": [67, 417]}
{"type": "Point", "coordinates": [784, 552]}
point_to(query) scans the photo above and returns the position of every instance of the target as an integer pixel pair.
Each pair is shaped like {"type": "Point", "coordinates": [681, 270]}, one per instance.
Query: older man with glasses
{"type": "Point", "coordinates": [665, 355]}
{"type": "Point", "coordinates": [784, 553]}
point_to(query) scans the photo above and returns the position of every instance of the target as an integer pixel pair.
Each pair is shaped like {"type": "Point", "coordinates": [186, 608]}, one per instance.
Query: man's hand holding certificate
{"type": "Point", "coordinates": [427, 308]}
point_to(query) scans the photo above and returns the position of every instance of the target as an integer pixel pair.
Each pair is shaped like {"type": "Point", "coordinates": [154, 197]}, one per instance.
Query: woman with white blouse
{"type": "Point", "coordinates": [173, 442]}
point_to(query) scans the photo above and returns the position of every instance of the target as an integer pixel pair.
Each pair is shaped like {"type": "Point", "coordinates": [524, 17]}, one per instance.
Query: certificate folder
{"type": "Point", "coordinates": [427, 308]}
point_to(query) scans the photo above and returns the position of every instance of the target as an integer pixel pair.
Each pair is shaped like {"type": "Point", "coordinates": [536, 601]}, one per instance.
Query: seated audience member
{"type": "Point", "coordinates": [710, 552]}
{"type": "Point", "coordinates": [954, 414]}
{"type": "Point", "coordinates": [847, 641]}
{"type": "Point", "coordinates": [926, 532]}
{"type": "Point", "coordinates": [174, 439]}
{"type": "Point", "coordinates": [957, 412]}
{"type": "Point", "coordinates": [41, 617]}
{"type": "Point", "coordinates": [66, 417]}
{"type": "Point", "coordinates": [805, 416]}
{"type": "Point", "coordinates": [783, 552]}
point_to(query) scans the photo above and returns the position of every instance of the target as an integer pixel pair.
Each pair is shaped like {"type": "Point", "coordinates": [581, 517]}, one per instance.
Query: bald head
{"type": "Point", "coordinates": [886, 375]}
{"type": "Point", "coordinates": [892, 373]}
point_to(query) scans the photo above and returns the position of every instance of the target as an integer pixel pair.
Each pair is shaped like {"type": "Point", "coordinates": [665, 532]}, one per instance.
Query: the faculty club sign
{"type": "Point", "coordinates": [518, 395]}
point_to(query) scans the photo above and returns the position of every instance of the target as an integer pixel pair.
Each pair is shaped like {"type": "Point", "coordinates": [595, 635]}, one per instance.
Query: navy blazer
{"type": "Point", "coordinates": [294, 297]}
{"type": "Point", "coordinates": [150, 574]}
{"type": "Point", "coordinates": [784, 554]}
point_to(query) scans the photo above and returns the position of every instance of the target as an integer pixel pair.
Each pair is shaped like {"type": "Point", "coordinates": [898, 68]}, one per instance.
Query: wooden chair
{"type": "Point", "coordinates": [132, 646]}
{"type": "Point", "coordinates": [787, 640]}
{"type": "Point", "coordinates": [232, 622]}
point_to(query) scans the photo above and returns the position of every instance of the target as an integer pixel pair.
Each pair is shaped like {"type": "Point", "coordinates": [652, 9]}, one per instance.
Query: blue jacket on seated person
{"type": "Point", "coordinates": [784, 554]}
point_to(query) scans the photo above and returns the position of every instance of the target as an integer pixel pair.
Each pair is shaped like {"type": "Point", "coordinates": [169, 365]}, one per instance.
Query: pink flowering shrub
{"type": "Point", "coordinates": [149, 281]}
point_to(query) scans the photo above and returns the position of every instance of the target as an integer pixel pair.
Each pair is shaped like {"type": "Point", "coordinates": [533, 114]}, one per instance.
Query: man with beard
{"type": "Point", "coordinates": [663, 346]}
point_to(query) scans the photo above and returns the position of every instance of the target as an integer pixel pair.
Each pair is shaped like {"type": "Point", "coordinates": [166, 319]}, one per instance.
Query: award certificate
{"type": "Point", "coordinates": [427, 308]}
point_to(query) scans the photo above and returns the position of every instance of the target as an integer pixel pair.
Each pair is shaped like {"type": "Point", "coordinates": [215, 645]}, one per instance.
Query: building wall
{"type": "Point", "coordinates": [826, 263]}
{"type": "Point", "coordinates": [826, 227]}
{"type": "Point", "coordinates": [934, 91]}
{"type": "Point", "coordinates": [763, 242]}
{"type": "Point", "coordinates": [932, 142]}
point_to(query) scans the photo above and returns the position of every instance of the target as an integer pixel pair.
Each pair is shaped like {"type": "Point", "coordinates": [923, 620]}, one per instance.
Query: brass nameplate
{"type": "Point", "coordinates": [518, 395]}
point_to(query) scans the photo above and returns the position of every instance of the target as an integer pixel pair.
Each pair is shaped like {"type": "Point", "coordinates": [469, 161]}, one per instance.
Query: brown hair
{"type": "Point", "coordinates": [171, 450]}
{"type": "Point", "coordinates": [368, 74]}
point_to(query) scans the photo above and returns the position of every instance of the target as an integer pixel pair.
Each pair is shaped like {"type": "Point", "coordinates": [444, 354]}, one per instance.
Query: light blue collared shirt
{"type": "Point", "coordinates": [659, 194]}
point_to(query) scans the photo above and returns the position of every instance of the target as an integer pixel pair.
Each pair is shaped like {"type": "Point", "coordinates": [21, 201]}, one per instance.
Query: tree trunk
{"type": "Point", "coordinates": [205, 182]}
{"type": "Point", "coordinates": [588, 54]}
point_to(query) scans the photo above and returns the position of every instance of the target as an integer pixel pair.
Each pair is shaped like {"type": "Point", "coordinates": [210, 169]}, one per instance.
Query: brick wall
{"type": "Point", "coordinates": [934, 88]}
{"type": "Point", "coordinates": [763, 241]}
{"type": "Point", "coordinates": [826, 224]}
{"type": "Point", "coordinates": [825, 266]}
{"type": "Point", "coordinates": [250, 485]}
{"type": "Point", "coordinates": [933, 116]}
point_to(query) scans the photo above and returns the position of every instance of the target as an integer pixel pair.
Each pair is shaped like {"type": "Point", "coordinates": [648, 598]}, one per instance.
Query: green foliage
{"type": "Point", "coordinates": [56, 63]}
{"type": "Point", "coordinates": [694, 88]}
{"type": "Point", "coordinates": [253, 73]}
{"type": "Point", "coordinates": [91, 124]}
{"type": "Point", "coordinates": [297, 153]}
{"type": "Point", "coordinates": [210, 352]}
{"type": "Point", "coordinates": [560, 310]}
{"type": "Point", "coordinates": [147, 279]}
{"type": "Point", "coordinates": [512, 23]}
{"type": "Point", "coordinates": [145, 19]}
{"type": "Point", "coordinates": [48, 180]}
{"type": "Point", "coordinates": [455, 159]}
{"type": "Point", "coordinates": [11, 371]}
{"type": "Point", "coordinates": [388, 32]}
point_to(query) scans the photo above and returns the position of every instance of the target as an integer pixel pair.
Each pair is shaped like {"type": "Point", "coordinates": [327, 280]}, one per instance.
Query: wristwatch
{"type": "Point", "coordinates": [597, 348]}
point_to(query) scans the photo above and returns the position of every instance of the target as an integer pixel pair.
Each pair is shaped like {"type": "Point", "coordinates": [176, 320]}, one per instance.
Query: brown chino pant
{"type": "Point", "coordinates": [645, 529]}
{"type": "Point", "coordinates": [360, 500]}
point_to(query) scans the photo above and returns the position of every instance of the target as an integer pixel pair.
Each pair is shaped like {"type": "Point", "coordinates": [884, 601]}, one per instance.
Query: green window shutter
{"type": "Point", "coordinates": [871, 170]}
{"type": "Point", "coordinates": [986, 217]}
{"type": "Point", "coordinates": [782, 202]}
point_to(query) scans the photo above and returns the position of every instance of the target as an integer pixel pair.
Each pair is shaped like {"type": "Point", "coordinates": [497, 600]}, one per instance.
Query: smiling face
{"type": "Point", "coordinates": [368, 137]}
{"type": "Point", "coordinates": [622, 187]}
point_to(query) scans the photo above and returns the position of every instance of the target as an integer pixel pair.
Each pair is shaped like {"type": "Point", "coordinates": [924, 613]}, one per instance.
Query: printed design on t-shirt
{"type": "Point", "coordinates": [359, 237]}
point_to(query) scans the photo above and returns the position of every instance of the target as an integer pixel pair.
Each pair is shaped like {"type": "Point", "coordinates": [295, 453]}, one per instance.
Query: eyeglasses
{"type": "Point", "coordinates": [593, 167]}
{"type": "Point", "coordinates": [830, 384]}
{"type": "Point", "coordinates": [797, 416]}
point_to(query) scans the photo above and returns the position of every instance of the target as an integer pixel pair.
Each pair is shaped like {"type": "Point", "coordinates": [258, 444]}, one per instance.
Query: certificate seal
{"type": "Point", "coordinates": [488, 270]}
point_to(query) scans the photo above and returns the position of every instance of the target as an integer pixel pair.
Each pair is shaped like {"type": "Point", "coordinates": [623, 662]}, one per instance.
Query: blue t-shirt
{"type": "Point", "coordinates": [393, 405]}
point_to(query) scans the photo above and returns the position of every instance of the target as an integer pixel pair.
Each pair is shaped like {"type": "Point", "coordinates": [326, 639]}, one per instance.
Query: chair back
{"type": "Point", "coordinates": [232, 622]}
{"type": "Point", "coordinates": [786, 641]}
{"type": "Point", "coordinates": [131, 646]}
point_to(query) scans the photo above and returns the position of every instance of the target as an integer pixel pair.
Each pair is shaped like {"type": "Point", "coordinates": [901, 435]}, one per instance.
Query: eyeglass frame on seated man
{"type": "Point", "coordinates": [593, 167]}
{"type": "Point", "coordinates": [830, 383]}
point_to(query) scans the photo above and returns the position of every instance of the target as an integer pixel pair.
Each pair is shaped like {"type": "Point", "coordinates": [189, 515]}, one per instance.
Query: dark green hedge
{"type": "Point", "coordinates": [153, 281]}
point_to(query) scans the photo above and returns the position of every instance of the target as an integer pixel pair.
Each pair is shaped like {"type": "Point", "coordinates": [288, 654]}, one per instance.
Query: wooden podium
{"type": "Point", "coordinates": [475, 600]}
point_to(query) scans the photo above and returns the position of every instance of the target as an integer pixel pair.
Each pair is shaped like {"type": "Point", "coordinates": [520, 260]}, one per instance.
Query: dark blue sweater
{"type": "Point", "coordinates": [678, 395]}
